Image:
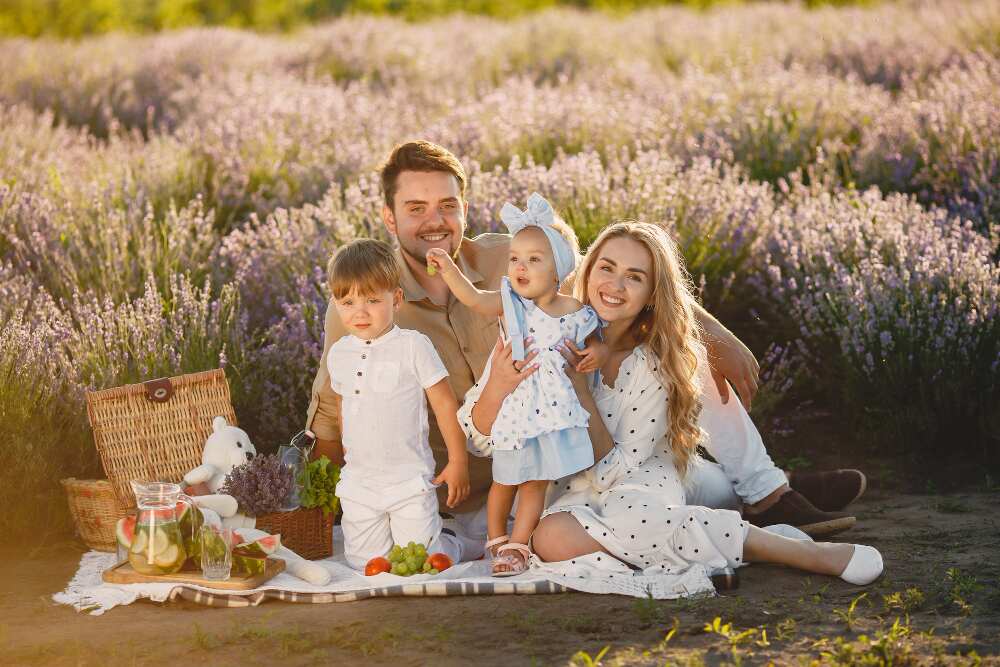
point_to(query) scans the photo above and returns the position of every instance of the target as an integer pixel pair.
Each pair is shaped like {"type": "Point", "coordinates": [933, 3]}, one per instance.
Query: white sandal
{"type": "Point", "coordinates": [488, 547]}
{"type": "Point", "coordinates": [514, 565]}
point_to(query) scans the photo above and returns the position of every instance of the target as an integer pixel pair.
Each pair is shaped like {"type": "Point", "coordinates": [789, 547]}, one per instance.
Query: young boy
{"type": "Point", "coordinates": [382, 372]}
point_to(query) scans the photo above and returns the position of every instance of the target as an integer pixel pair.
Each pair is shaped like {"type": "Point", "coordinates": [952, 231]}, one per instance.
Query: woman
{"type": "Point", "coordinates": [632, 504]}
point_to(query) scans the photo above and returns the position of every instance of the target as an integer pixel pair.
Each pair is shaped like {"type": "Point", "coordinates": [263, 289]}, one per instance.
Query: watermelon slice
{"type": "Point", "coordinates": [125, 530]}
{"type": "Point", "coordinates": [248, 564]}
{"type": "Point", "coordinates": [264, 546]}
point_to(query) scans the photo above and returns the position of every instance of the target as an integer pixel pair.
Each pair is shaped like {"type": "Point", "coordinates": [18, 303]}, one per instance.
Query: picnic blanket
{"type": "Point", "coordinates": [88, 592]}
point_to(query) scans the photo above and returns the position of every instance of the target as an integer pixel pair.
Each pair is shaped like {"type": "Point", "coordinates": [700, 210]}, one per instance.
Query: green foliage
{"type": "Point", "coordinates": [44, 433]}
{"type": "Point", "coordinates": [584, 659]}
{"type": "Point", "coordinates": [885, 648]}
{"type": "Point", "coordinates": [912, 599]}
{"type": "Point", "coordinates": [319, 485]}
{"type": "Point", "coordinates": [737, 639]}
{"type": "Point", "coordinates": [76, 18]}
{"type": "Point", "coordinates": [848, 615]}
{"type": "Point", "coordinates": [959, 587]}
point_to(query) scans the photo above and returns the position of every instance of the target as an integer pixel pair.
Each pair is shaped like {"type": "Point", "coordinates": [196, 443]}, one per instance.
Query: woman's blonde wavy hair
{"type": "Point", "coordinates": [667, 327]}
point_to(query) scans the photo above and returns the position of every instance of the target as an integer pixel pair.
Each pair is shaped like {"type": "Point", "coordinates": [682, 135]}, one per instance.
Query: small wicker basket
{"type": "Point", "coordinates": [307, 532]}
{"type": "Point", "coordinates": [94, 510]}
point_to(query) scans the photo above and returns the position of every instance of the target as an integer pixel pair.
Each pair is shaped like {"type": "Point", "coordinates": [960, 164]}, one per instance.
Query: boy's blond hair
{"type": "Point", "coordinates": [366, 265]}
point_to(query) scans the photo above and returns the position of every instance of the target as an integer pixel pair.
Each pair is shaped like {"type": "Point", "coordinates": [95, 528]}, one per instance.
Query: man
{"type": "Point", "coordinates": [425, 207]}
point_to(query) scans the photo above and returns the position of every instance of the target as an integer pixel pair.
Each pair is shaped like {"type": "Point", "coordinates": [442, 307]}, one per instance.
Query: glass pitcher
{"type": "Point", "coordinates": [157, 545]}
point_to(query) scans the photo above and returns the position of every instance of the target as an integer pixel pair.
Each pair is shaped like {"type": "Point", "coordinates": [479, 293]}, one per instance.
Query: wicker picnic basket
{"type": "Point", "coordinates": [94, 510]}
{"type": "Point", "coordinates": [156, 430]}
{"type": "Point", "coordinates": [307, 532]}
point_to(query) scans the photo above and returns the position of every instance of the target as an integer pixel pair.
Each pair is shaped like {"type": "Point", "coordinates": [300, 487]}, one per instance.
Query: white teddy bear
{"type": "Point", "coordinates": [226, 448]}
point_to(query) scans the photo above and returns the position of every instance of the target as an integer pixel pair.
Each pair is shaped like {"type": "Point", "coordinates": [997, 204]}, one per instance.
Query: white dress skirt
{"type": "Point", "coordinates": [540, 431]}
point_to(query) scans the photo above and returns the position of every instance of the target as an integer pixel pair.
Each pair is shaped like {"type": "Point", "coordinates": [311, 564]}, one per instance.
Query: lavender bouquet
{"type": "Point", "coordinates": [259, 485]}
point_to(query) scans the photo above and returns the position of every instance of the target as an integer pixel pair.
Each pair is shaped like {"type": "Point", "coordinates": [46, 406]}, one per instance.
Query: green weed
{"type": "Point", "coordinates": [584, 659]}
{"type": "Point", "coordinates": [949, 505]}
{"type": "Point", "coordinates": [786, 629]}
{"type": "Point", "coordinates": [737, 640]}
{"type": "Point", "coordinates": [647, 611]}
{"type": "Point", "coordinates": [202, 639]}
{"type": "Point", "coordinates": [885, 649]}
{"type": "Point", "coordinates": [912, 599]}
{"type": "Point", "coordinates": [848, 615]}
{"type": "Point", "coordinates": [959, 588]}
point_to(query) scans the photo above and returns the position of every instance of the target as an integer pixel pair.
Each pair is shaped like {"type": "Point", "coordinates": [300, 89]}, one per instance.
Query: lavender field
{"type": "Point", "coordinates": [167, 202]}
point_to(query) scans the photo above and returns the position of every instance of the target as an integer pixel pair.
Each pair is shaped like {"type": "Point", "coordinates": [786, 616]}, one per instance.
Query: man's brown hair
{"type": "Point", "coordinates": [419, 156]}
{"type": "Point", "coordinates": [365, 264]}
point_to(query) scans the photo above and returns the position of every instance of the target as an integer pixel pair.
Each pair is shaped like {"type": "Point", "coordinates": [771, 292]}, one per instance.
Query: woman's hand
{"type": "Point", "coordinates": [505, 373]}
{"type": "Point", "coordinates": [504, 377]}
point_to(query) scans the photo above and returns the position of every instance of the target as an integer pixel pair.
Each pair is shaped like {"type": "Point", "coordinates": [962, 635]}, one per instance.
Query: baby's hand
{"type": "Point", "coordinates": [456, 476]}
{"type": "Point", "coordinates": [439, 261]}
{"type": "Point", "coordinates": [592, 357]}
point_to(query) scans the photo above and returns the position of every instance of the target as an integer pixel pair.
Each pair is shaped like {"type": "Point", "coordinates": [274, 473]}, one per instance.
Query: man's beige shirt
{"type": "Point", "coordinates": [463, 339]}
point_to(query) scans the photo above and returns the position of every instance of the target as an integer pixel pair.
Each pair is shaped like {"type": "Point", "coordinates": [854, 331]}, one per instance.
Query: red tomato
{"type": "Point", "coordinates": [440, 561]}
{"type": "Point", "coordinates": [377, 565]}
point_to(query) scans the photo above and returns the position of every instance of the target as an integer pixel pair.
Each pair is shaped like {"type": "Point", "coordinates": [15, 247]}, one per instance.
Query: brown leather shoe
{"type": "Point", "coordinates": [793, 508]}
{"type": "Point", "coordinates": [829, 490]}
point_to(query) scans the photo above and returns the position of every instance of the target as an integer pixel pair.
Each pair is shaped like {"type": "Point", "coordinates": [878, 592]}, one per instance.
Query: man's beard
{"type": "Point", "coordinates": [422, 258]}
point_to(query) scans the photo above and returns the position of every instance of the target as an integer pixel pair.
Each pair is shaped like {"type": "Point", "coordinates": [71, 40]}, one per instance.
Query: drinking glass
{"type": "Point", "coordinates": [295, 460]}
{"type": "Point", "coordinates": [216, 552]}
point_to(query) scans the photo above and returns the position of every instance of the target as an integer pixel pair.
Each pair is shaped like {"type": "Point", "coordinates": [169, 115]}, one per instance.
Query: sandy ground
{"type": "Point", "coordinates": [942, 583]}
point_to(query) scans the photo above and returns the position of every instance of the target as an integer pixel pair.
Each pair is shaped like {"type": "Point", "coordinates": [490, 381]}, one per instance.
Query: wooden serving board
{"type": "Point", "coordinates": [122, 573]}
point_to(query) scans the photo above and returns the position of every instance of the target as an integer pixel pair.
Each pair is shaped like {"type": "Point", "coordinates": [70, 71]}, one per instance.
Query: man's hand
{"type": "Point", "coordinates": [456, 476]}
{"type": "Point", "coordinates": [731, 360]}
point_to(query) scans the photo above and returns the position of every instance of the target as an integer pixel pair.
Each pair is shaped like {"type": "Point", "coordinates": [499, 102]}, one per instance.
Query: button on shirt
{"type": "Point", "coordinates": [384, 410]}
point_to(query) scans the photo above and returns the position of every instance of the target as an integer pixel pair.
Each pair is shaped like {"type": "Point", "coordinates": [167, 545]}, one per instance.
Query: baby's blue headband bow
{"type": "Point", "coordinates": [540, 214]}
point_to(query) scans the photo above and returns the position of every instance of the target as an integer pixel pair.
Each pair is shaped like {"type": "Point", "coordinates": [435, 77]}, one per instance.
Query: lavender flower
{"type": "Point", "coordinates": [260, 485]}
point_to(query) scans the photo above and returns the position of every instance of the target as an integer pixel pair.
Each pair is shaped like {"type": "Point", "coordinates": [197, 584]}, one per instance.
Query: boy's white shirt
{"type": "Point", "coordinates": [381, 383]}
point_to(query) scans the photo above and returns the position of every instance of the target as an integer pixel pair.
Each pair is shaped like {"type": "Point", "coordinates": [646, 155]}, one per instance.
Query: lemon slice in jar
{"type": "Point", "coordinates": [167, 558]}
{"type": "Point", "coordinates": [139, 542]}
{"type": "Point", "coordinates": [158, 542]}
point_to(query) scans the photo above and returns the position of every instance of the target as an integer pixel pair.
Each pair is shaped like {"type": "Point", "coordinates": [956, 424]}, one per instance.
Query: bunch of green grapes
{"type": "Point", "coordinates": [411, 559]}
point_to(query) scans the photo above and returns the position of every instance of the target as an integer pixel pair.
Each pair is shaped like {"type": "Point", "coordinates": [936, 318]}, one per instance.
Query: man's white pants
{"type": "Point", "coordinates": [744, 474]}
{"type": "Point", "coordinates": [371, 531]}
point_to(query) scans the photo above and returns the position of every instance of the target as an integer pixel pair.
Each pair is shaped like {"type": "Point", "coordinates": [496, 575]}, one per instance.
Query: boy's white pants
{"type": "Point", "coordinates": [371, 531]}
